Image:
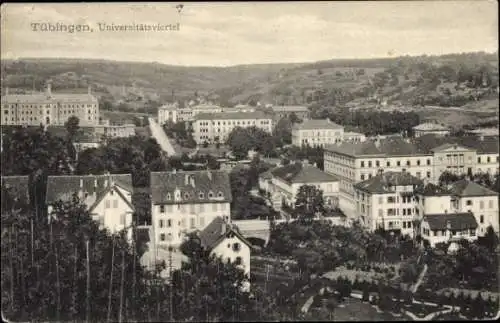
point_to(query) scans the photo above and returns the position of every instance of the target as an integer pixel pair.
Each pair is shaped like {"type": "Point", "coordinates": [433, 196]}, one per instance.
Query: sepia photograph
{"type": "Point", "coordinates": [250, 161]}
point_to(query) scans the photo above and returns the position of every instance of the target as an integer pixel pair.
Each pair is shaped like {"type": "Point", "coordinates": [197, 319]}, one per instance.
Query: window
{"type": "Point", "coordinates": [488, 159]}
{"type": "Point", "coordinates": [236, 247]}
{"type": "Point", "coordinates": [115, 204]}
{"type": "Point", "coordinates": [377, 163]}
{"type": "Point", "coordinates": [479, 160]}
{"type": "Point", "coordinates": [362, 177]}
{"type": "Point", "coordinates": [162, 208]}
{"type": "Point", "coordinates": [160, 223]}
{"type": "Point", "coordinates": [428, 161]}
{"type": "Point", "coordinates": [418, 162]}
{"type": "Point", "coordinates": [370, 163]}
{"type": "Point", "coordinates": [238, 261]}
{"type": "Point", "coordinates": [398, 163]}
{"type": "Point", "coordinates": [481, 219]}
{"type": "Point", "coordinates": [481, 205]}
{"type": "Point", "coordinates": [408, 163]}
{"type": "Point", "coordinates": [107, 204]}
{"type": "Point", "coordinates": [122, 219]}
{"type": "Point", "coordinates": [468, 202]}
{"type": "Point", "coordinates": [388, 163]}
{"type": "Point", "coordinates": [362, 163]}
{"type": "Point", "coordinates": [162, 237]}
{"type": "Point", "coordinates": [472, 232]}
{"type": "Point", "coordinates": [428, 174]}
{"type": "Point", "coordinates": [390, 199]}
{"type": "Point", "coordinates": [101, 221]}
{"type": "Point", "coordinates": [169, 223]}
{"type": "Point", "coordinates": [380, 200]}
{"type": "Point", "coordinates": [409, 224]}
{"type": "Point", "coordinates": [380, 212]}
{"type": "Point", "coordinates": [219, 194]}
{"type": "Point", "coordinates": [404, 211]}
{"type": "Point", "coordinates": [202, 221]}
{"type": "Point", "coordinates": [490, 204]}
{"type": "Point", "coordinates": [202, 208]}
{"type": "Point", "coordinates": [210, 195]}
{"type": "Point", "coordinates": [193, 223]}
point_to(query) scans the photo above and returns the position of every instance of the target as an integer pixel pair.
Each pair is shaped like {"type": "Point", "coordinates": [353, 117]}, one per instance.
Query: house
{"type": "Point", "coordinates": [287, 180]}
{"type": "Point", "coordinates": [107, 197]}
{"type": "Point", "coordinates": [387, 201]}
{"type": "Point", "coordinates": [448, 227]}
{"type": "Point", "coordinates": [168, 112]}
{"type": "Point", "coordinates": [225, 241]}
{"type": "Point", "coordinates": [316, 133]}
{"type": "Point", "coordinates": [183, 202]}
{"type": "Point", "coordinates": [460, 197]}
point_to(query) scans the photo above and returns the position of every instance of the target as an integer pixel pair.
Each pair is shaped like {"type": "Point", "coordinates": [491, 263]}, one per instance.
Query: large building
{"type": "Point", "coordinates": [183, 202]}
{"type": "Point", "coordinates": [448, 227]}
{"type": "Point", "coordinates": [189, 113]}
{"type": "Point", "coordinates": [387, 201]}
{"type": "Point", "coordinates": [316, 133]}
{"type": "Point", "coordinates": [425, 158]}
{"type": "Point", "coordinates": [168, 112]}
{"type": "Point", "coordinates": [430, 128]}
{"type": "Point", "coordinates": [49, 108]}
{"type": "Point", "coordinates": [108, 198]}
{"type": "Point", "coordinates": [213, 127]}
{"type": "Point", "coordinates": [461, 197]}
{"type": "Point", "coordinates": [115, 131]}
{"type": "Point", "coordinates": [283, 184]}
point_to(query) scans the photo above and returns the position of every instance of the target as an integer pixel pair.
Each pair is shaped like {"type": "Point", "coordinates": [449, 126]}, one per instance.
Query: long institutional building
{"type": "Point", "coordinates": [316, 132]}
{"type": "Point", "coordinates": [426, 158]}
{"type": "Point", "coordinates": [49, 108]}
{"type": "Point", "coordinates": [213, 127]}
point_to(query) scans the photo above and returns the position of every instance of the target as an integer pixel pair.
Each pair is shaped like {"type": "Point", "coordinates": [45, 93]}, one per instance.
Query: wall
{"type": "Point", "coordinates": [225, 250]}
{"type": "Point", "coordinates": [113, 215]}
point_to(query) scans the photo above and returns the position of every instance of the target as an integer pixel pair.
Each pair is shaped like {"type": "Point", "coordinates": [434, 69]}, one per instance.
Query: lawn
{"type": "Point", "coordinates": [352, 310]}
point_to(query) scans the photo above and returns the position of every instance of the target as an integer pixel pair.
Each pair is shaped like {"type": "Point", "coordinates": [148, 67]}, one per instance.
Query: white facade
{"type": "Point", "coordinates": [233, 249]}
{"type": "Point", "coordinates": [353, 136]}
{"type": "Point", "coordinates": [484, 209]}
{"type": "Point", "coordinates": [430, 128]}
{"type": "Point", "coordinates": [48, 108]}
{"type": "Point", "coordinates": [172, 221]}
{"type": "Point", "coordinates": [168, 112]}
{"type": "Point", "coordinates": [444, 236]}
{"type": "Point", "coordinates": [217, 126]}
{"type": "Point", "coordinates": [288, 192]}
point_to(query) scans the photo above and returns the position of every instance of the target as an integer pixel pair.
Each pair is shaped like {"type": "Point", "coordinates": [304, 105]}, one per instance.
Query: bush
{"type": "Point", "coordinates": [366, 295]}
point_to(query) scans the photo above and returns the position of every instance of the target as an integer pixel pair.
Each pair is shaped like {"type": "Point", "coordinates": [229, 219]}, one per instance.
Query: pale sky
{"type": "Point", "coordinates": [222, 34]}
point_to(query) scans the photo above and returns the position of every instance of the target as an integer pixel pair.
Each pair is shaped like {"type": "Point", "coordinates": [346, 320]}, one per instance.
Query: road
{"type": "Point", "coordinates": [160, 136]}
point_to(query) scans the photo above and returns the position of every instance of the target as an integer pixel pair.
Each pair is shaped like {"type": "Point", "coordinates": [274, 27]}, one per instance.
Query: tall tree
{"type": "Point", "coordinates": [72, 126]}
{"type": "Point", "coordinates": [309, 203]}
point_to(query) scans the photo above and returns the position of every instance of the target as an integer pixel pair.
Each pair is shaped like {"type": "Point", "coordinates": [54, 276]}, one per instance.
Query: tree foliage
{"type": "Point", "coordinates": [242, 140]}
{"type": "Point", "coordinates": [309, 203]}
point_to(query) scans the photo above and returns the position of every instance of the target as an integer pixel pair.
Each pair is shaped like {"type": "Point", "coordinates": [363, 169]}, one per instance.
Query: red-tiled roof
{"type": "Point", "coordinates": [217, 231]}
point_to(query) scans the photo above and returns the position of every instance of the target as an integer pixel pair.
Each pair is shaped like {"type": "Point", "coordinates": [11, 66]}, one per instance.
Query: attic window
{"type": "Point", "coordinates": [236, 247]}
{"type": "Point", "coordinates": [168, 196]}
{"type": "Point", "coordinates": [219, 194]}
{"type": "Point", "coordinates": [210, 194]}
{"type": "Point", "coordinates": [201, 195]}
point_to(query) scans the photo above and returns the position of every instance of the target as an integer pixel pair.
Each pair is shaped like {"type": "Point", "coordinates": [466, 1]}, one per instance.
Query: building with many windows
{"type": "Point", "coordinates": [285, 111]}
{"type": "Point", "coordinates": [427, 157]}
{"type": "Point", "coordinates": [107, 197]}
{"type": "Point", "coordinates": [316, 133]}
{"type": "Point", "coordinates": [48, 108]}
{"type": "Point", "coordinates": [213, 127]}
{"type": "Point", "coordinates": [387, 201]}
{"type": "Point", "coordinates": [283, 184]}
{"type": "Point", "coordinates": [183, 202]}
{"type": "Point", "coordinates": [448, 227]}
{"type": "Point", "coordinates": [168, 112]}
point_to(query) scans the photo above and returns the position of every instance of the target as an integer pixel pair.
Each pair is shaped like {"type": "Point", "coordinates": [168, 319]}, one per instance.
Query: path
{"type": "Point", "coordinates": [160, 136]}
{"type": "Point", "coordinates": [420, 279]}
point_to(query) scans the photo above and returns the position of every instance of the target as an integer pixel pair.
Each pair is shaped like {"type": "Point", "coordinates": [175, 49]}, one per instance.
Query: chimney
{"type": "Point", "coordinates": [192, 181]}
{"type": "Point", "coordinates": [377, 143]}
{"type": "Point", "coordinates": [209, 174]}
{"type": "Point", "coordinates": [49, 88]}
{"type": "Point", "coordinates": [186, 179]}
{"type": "Point", "coordinates": [174, 171]}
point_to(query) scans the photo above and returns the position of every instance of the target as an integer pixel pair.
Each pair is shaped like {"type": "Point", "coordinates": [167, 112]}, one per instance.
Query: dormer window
{"type": "Point", "coordinates": [220, 194]}
{"type": "Point", "coordinates": [168, 196]}
{"type": "Point", "coordinates": [210, 195]}
{"type": "Point", "coordinates": [201, 195]}
{"type": "Point", "coordinates": [186, 196]}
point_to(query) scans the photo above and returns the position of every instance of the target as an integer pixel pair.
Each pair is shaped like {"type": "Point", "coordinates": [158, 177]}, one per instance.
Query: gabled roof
{"type": "Point", "coordinates": [317, 124]}
{"type": "Point", "coordinates": [217, 231]}
{"type": "Point", "coordinates": [465, 188]}
{"type": "Point", "coordinates": [429, 142]}
{"type": "Point", "coordinates": [63, 187]}
{"type": "Point", "coordinates": [299, 173]}
{"type": "Point", "coordinates": [18, 186]}
{"type": "Point", "coordinates": [391, 146]}
{"type": "Point", "coordinates": [194, 187]}
{"type": "Point", "coordinates": [457, 221]}
{"type": "Point", "coordinates": [103, 194]}
{"type": "Point", "coordinates": [380, 184]}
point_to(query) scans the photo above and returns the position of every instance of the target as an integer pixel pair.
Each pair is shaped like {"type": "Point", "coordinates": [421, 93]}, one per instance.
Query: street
{"type": "Point", "coordinates": [160, 136]}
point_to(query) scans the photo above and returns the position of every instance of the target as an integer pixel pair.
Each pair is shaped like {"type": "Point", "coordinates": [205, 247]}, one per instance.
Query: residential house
{"type": "Point", "coordinates": [387, 201]}
{"type": "Point", "coordinates": [286, 181]}
{"type": "Point", "coordinates": [448, 227]}
{"type": "Point", "coordinates": [107, 197]}
{"type": "Point", "coordinates": [182, 202]}
{"type": "Point", "coordinates": [430, 128]}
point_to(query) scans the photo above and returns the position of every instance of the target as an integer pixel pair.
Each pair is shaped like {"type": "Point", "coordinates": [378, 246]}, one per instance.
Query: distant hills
{"type": "Point", "coordinates": [448, 80]}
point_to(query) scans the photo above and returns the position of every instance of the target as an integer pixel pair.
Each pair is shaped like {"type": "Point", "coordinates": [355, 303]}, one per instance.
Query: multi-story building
{"type": "Point", "coordinates": [107, 197]}
{"type": "Point", "coordinates": [463, 196]}
{"type": "Point", "coordinates": [283, 184]}
{"type": "Point", "coordinates": [448, 227]}
{"type": "Point", "coordinates": [183, 202]}
{"type": "Point", "coordinates": [316, 133]}
{"type": "Point", "coordinates": [430, 128]}
{"type": "Point", "coordinates": [213, 127]}
{"type": "Point", "coordinates": [426, 158]}
{"type": "Point", "coordinates": [386, 201]}
{"type": "Point", "coordinates": [241, 108]}
{"type": "Point", "coordinates": [282, 111]}
{"type": "Point", "coordinates": [115, 131]}
{"type": "Point", "coordinates": [48, 108]}
{"type": "Point", "coordinates": [484, 132]}
{"type": "Point", "coordinates": [189, 113]}
{"type": "Point", "coordinates": [168, 112]}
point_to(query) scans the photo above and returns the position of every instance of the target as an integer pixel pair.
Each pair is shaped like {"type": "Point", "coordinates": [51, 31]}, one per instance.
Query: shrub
{"type": "Point", "coordinates": [366, 295]}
